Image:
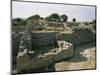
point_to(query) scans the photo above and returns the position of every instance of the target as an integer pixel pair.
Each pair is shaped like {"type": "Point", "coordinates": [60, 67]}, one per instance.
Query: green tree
{"type": "Point", "coordinates": [18, 22]}
{"type": "Point", "coordinates": [64, 18]}
{"type": "Point", "coordinates": [30, 20]}
{"type": "Point", "coordinates": [53, 17]}
{"type": "Point", "coordinates": [74, 20]}
{"type": "Point", "coordinates": [34, 17]}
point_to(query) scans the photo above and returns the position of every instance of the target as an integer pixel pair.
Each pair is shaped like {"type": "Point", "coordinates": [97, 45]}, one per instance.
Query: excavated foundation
{"type": "Point", "coordinates": [36, 53]}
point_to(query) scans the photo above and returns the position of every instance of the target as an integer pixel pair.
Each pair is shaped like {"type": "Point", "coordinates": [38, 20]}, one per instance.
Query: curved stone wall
{"type": "Point", "coordinates": [79, 36]}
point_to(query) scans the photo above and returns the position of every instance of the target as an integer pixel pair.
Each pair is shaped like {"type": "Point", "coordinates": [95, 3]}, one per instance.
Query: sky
{"type": "Point", "coordinates": [27, 9]}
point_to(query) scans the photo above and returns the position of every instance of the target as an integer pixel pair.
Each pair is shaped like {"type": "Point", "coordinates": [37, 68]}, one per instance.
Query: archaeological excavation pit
{"type": "Point", "coordinates": [40, 49]}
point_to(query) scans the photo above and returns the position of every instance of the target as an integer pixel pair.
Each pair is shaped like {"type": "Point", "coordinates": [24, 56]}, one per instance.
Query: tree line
{"type": "Point", "coordinates": [53, 18]}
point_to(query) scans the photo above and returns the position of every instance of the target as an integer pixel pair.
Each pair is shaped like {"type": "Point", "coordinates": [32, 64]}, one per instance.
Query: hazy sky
{"type": "Point", "coordinates": [26, 9]}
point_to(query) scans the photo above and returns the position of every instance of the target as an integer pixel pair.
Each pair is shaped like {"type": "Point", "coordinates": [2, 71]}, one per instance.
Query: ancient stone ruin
{"type": "Point", "coordinates": [26, 54]}
{"type": "Point", "coordinates": [40, 49]}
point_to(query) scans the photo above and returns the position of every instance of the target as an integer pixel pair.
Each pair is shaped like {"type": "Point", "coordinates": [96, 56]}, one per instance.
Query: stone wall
{"type": "Point", "coordinates": [15, 47]}
{"type": "Point", "coordinates": [79, 36]}
{"type": "Point", "coordinates": [43, 38]}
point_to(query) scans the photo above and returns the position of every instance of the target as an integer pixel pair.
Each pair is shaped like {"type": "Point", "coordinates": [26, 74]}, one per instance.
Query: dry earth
{"type": "Point", "coordinates": [84, 58]}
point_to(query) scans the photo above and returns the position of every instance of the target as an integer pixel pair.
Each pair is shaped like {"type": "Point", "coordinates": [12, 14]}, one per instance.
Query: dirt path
{"type": "Point", "coordinates": [84, 58]}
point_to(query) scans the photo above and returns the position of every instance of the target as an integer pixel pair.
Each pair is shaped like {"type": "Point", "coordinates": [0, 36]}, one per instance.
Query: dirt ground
{"type": "Point", "coordinates": [84, 58]}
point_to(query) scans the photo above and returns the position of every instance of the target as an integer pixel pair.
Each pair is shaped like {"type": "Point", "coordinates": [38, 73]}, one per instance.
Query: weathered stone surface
{"type": "Point", "coordinates": [46, 59]}
{"type": "Point", "coordinates": [63, 51]}
{"type": "Point", "coordinates": [79, 36]}
{"type": "Point", "coordinates": [43, 38]}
